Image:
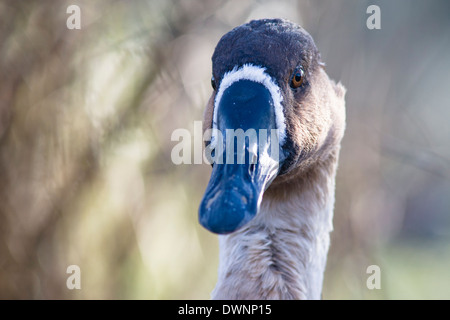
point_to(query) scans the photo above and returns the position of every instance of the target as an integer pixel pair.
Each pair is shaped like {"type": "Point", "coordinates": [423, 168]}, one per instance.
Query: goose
{"type": "Point", "coordinates": [273, 213]}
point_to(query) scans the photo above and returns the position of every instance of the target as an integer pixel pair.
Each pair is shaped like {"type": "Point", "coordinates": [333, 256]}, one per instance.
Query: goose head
{"type": "Point", "coordinates": [273, 114]}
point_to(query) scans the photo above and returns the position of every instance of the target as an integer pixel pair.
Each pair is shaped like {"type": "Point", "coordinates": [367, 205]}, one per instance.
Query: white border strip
{"type": "Point", "coordinates": [257, 74]}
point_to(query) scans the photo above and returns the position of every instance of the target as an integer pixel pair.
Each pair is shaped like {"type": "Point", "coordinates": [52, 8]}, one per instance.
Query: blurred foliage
{"type": "Point", "coordinates": [86, 118]}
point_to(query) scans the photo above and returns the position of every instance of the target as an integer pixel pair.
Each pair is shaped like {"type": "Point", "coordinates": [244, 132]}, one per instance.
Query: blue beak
{"type": "Point", "coordinates": [250, 159]}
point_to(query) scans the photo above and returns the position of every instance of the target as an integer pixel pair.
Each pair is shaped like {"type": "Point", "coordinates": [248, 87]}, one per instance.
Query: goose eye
{"type": "Point", "coordinates": [213, 83]}
{"type": "Point", "coordinates": [297, 79]}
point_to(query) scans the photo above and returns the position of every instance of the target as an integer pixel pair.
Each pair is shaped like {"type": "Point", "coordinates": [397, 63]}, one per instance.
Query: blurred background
{"type": "Point", "coordinates": [86, 118]}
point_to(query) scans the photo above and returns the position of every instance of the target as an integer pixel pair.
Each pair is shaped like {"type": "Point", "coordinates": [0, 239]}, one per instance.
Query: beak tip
{"type": "Point", "coordinates": [224, 218]}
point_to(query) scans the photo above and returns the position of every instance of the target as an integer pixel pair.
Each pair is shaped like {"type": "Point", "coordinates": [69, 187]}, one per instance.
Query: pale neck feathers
{"type": "Point", "coordinates": [281, 254]}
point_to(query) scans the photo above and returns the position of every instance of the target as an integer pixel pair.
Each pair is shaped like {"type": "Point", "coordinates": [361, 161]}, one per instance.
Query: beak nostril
{"type": "Point", "coordinates": [253, 161]}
